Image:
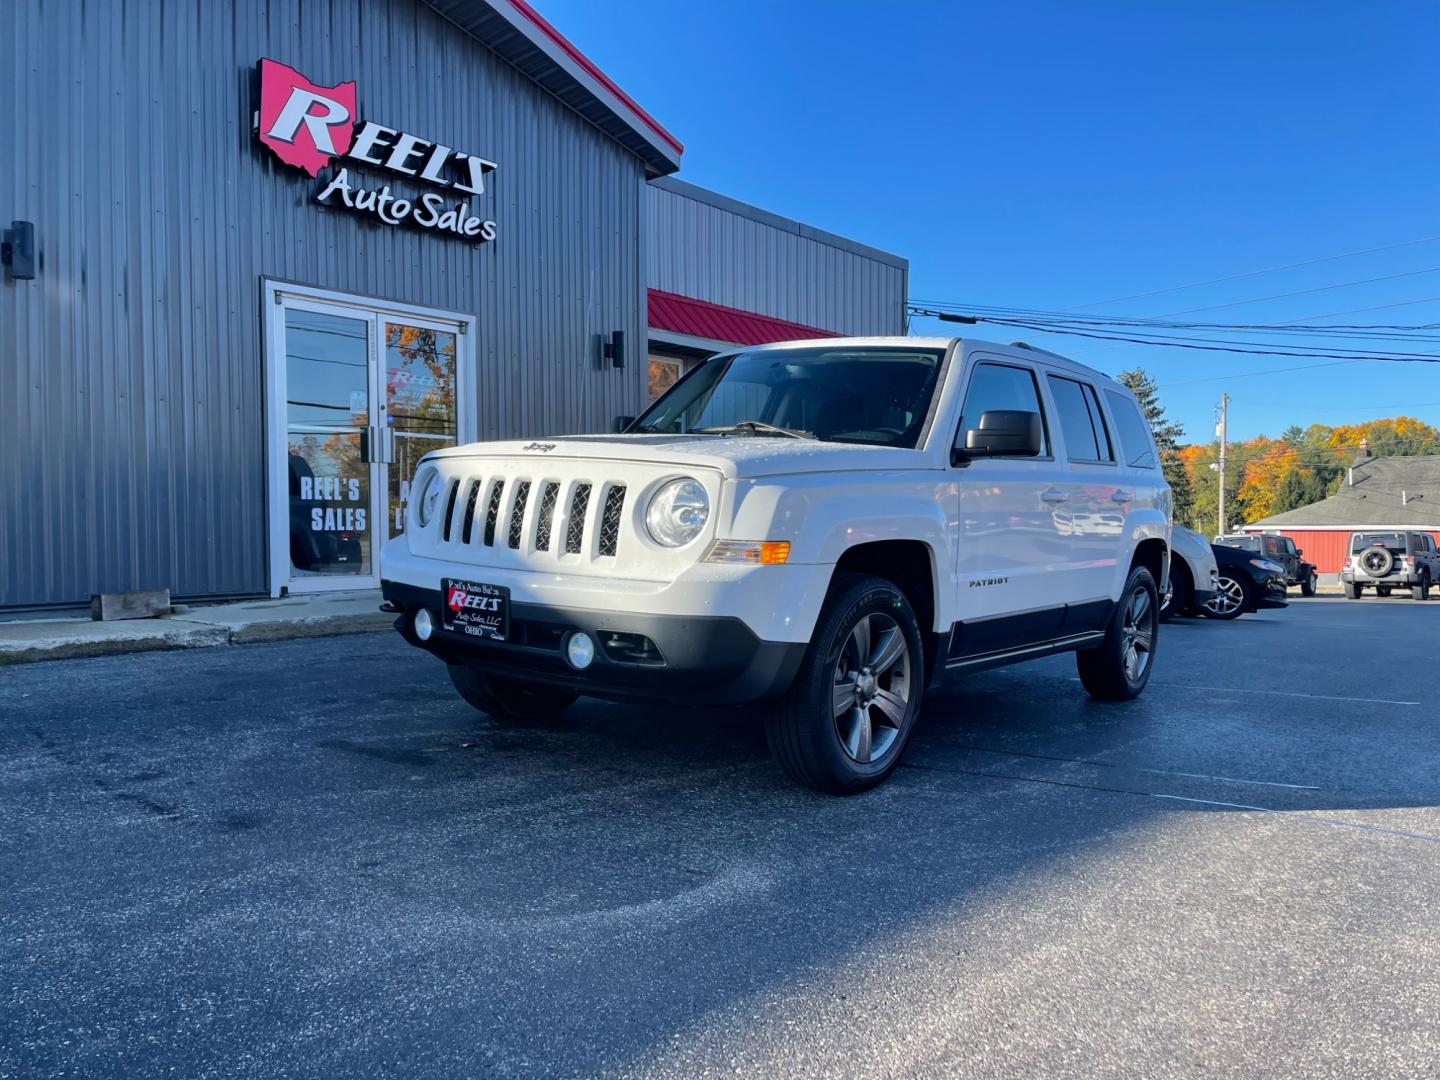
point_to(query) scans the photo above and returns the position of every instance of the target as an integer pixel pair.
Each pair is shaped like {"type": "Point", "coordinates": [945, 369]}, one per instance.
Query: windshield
{"type": "Point", "coordinates": [1244, 543]}
{"type": "Point", "coordinates": [877, 396]}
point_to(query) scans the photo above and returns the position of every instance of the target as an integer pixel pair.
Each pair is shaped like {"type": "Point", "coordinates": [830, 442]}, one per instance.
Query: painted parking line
{"type": "Point", "coordinates": [1281, 693]}
{"type": "Point", "coordinates": [1129, 768]}
{"type": "Point", "coordinates": [1296, 815]}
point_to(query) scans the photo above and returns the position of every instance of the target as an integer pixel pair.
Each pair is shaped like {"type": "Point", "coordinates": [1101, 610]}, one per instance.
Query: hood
{"type": "Point", "coordinates": [740, 456]}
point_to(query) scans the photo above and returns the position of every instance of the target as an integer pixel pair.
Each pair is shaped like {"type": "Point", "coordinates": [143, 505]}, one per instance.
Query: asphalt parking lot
{"type": "Point", "coordinates": [310, 859]}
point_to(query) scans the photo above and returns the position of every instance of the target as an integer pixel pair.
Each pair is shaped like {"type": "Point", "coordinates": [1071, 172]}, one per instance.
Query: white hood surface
{"type": "Point", "coordinates": [740, 456]}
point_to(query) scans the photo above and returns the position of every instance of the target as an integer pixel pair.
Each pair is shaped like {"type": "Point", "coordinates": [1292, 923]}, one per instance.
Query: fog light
{"type": "Point", "coordinates": [579, 650]}
{"type": "Point", "coordinates": [424, 626]}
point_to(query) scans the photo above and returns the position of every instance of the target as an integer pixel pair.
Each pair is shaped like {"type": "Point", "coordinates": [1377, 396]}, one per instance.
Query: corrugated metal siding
{"type": "Point", "coordinates": [132, 448]}
{"type": "Point", "coordinates": [714, 254]}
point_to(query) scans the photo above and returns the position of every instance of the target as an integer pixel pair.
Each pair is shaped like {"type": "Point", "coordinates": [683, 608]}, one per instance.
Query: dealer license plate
{"type": "Point", "coordinates": [477, 609]}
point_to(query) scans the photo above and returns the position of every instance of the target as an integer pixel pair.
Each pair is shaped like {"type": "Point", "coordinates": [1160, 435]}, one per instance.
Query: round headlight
{"type": "Point", "coordinates": [677, 513]}
{"type": "Point", "coordinates": [427, 498]}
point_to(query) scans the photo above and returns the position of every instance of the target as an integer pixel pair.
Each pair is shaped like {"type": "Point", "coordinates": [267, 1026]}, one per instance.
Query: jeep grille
{"type": "Point", "coordinates": [529, 515]}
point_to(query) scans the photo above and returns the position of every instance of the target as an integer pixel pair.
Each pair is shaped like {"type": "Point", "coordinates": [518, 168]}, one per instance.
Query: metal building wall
{"type": "Point", "coordinates": [713, 248]}
{"type": "Point", "coordinates": [132, 448]}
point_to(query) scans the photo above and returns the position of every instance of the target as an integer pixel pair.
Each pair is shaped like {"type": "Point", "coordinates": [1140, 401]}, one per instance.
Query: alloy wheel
{"type": "Point", "coordinates": [1228, 597]}
{"type": "Point", "coordinates": [1137, 634]}
{"type": "Point", "coordinates": [871, 693]}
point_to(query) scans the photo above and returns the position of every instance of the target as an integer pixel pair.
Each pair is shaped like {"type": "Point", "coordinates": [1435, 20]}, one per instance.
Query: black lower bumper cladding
{"type": "Point", "coordinates": [695, 660]}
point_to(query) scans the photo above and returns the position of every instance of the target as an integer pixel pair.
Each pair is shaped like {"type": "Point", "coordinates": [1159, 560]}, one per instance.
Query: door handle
{"type": "Point", "coordinates": [366, 446]}
{"type": "Point", "coordinates": [1054, 495]}
{"type": "Point", "coordinates": [1123, 495]}
{"type": "Point", "coordinates": [387, 443]}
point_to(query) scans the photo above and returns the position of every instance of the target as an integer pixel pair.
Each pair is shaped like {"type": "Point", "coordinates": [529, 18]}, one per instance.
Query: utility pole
{"type": "Point", "coordinates": [1220, 430]}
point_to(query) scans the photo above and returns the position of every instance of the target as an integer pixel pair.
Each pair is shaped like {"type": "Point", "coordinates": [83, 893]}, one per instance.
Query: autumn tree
{"type": "Point", "coordinates": [1167, 435]}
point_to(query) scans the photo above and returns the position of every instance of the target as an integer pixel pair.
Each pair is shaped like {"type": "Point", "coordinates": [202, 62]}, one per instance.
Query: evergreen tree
{"type": "Point", "coordinates": [1290, 492]}
{"type": "Point", "coordinates": [1167, 437]}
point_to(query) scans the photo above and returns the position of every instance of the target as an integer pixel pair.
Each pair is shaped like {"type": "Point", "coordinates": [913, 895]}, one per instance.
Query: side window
{"type": "Point", "coordinates": [1085, 435]}
{"type": "Point", "coordinates": [1272, 546]}
{"type": "Point", "coordinates": [996, 387]}
{"type": "Point", "coordinates": [1102, 430]}
{"type": "Point", "coordinates": [1135, 442]}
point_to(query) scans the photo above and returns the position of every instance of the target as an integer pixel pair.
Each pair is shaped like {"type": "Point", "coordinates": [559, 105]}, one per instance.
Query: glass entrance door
{"type": "Point", "coordinates": [359, 394]}
{"type": "Point", "coordinates": [420, 376]}
{"type": "Point", "coordinates": [330, 463]}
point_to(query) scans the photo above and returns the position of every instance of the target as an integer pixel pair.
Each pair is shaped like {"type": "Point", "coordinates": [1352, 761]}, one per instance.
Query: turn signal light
{"type": "Point", "coordinates": [754, 552]}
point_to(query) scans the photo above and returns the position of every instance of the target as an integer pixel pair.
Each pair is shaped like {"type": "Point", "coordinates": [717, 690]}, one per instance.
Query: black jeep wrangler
{"type": "Point", "coordinates": [1278, 549]}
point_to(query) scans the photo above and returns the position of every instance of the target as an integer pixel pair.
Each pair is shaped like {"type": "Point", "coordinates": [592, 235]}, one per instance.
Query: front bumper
{"type": "Point", "coordinates": [1270, 592]}
{"type": "Point", "coordinates": [702, 659]}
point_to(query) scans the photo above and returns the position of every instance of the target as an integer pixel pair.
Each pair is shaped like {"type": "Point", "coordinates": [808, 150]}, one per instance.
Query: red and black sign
{"type": "Point", "coordinates": [477, 609]}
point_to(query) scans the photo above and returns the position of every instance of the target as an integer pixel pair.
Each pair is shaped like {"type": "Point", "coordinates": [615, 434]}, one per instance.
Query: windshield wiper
{"type": "Point", "coordinates": [755, 427]}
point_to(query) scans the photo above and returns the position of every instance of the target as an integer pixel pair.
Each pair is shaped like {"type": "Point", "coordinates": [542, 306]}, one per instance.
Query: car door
{"type": "Point", "coordinates": [1012, 537]}
{"type": "Point", "coordinates": [1097, 496]}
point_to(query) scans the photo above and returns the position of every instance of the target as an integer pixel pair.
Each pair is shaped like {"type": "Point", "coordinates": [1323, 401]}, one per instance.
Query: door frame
{"type": "Point", "coordinates": [274, 296]}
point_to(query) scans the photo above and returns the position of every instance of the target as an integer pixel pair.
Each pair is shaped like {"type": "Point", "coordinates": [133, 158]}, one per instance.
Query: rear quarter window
{"type": "Point", "coordinates": [1137, 449]}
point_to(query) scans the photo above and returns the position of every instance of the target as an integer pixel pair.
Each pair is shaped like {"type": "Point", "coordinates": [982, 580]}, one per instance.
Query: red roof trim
{"type": "Point", "coordinates": [599, 76]}
{"type": "Point", "coordinates": [716, 322]}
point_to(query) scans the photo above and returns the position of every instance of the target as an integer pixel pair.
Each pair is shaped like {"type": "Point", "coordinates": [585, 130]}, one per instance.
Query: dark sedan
{"type": "Point", "coordinates": [1247, 582]}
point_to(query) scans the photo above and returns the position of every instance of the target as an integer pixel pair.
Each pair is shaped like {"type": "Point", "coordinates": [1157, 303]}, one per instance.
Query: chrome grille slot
{"type": "Point", "coordinates": [450, 508]}
{"type": "Point", "coordinates": [465, 529]}
{"type": "Point", "coordinates": [548, 497]}
{"type": "Point", "coordinates": [579, 504]}
{"type": "Point", "coordinates": [492, 515]}
{"type": "Point", "coordinates": [610, 519]}
{"type": "Point", "coordinates": [517, 513]}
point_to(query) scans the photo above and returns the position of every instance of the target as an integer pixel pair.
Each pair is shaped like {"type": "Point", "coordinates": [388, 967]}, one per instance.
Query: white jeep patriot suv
{"type": "Point", "coordinates": [833, 525]}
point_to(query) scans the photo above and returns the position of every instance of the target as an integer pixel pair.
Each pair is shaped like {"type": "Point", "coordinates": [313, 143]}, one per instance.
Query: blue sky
{"type": "Point", "coordinates": [1049, 155]}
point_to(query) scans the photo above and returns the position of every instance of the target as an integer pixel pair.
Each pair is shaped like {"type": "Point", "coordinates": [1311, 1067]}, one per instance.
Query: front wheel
{"type": "Point", "coordinates": [1382, 590]}
{"type": "Point", "coordinates": [845, 722]}
{"type": "Point", "coordinates": [1309, 585]}
{"type": "Point", "coordinates": [1119, 669]}
{"type": "Point", "coordinates": [509, 699]}
{"type": "Point", "coordinates": [1232, 597]}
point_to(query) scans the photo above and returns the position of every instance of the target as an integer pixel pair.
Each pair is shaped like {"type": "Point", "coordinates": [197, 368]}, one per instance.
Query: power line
{"type": "Point", "coordinates": [1257, 374]}
{"type": "Point", "coordinates": [1254, 273]}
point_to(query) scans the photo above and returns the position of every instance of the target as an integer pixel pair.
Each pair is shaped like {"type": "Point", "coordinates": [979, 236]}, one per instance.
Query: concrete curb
{"type": "Point", "coordinates": [30, 641]}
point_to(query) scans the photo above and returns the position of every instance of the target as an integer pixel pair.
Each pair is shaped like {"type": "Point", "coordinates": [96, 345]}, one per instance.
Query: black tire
{"type": "Point", "coordinates": [804, 728]}
{"type": "Point", "coordinates": [1421, 591]}
{"type": "Point", "coordinates": [509, 700]}
{"type": "Point", "coordinates": [1382, 590]}
{"type": "Point", "coordinates": [1232, 600]}
{"type": "Point", "coordinates": [1307, 587]}
{"type": "Point", "coordinates": [1352, 592]}
{"type": "Point", "coordinates": [1119, 669]}
{"type": "Point", "coordinates": [1182, 593]}
{"type": "Point", "coordinates": [1377, 561]}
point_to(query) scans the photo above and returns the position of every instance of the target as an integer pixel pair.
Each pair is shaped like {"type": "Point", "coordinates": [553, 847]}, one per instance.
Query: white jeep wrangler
{"type": "Point", "coordinates": [833, 525]}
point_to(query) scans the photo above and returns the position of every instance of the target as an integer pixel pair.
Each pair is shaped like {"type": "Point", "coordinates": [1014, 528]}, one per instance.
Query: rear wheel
{"type": "Point", "coordinates": [1308, 586]}
{"type": "Point", "coordinates": [1421, 591]}
{"type": "Point", "coordinates": [1352, 592]}
{"type": "Point", "coordinates": [1231, 599]}
{"type": "Point", "coordinates": [848, 716]}
{"type": "Point", "coordinates": [1382, 590]}
{"type": "Point", "coordinates": [509, 699]}
{"type": "Point", "coordinates": [1119, 669]}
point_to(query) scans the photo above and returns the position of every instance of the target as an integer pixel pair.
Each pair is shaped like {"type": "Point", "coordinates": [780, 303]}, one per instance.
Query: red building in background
{"type": "Point", "coordinates": [1384, 494]}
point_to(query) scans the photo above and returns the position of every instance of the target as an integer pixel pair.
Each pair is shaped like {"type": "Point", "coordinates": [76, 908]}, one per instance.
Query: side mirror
{"type": "Point", "coordinates": [621, 423]}
{"type": "Point", "coordinates": [1299, 552]}
{"type": "Point", "coordinates": [1003, 433]}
